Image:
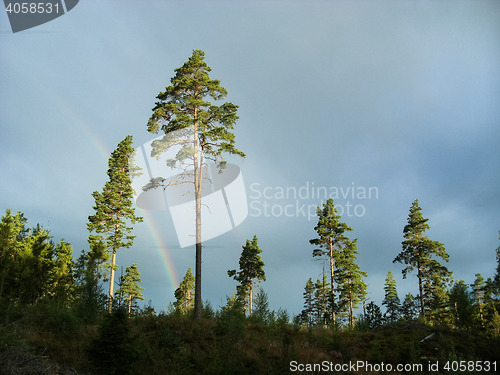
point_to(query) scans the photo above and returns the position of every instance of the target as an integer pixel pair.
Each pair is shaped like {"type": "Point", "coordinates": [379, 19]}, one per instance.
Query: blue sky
{"type": "Point", "coordinates": [402, 96]}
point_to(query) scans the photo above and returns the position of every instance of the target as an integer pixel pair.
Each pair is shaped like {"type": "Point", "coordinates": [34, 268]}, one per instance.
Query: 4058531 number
{"type": "Point", "coordinates": [38, 8]}
{"type": "Point", "coordinates": [470, 366]}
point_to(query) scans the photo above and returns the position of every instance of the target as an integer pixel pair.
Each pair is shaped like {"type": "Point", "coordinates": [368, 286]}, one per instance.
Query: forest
{"type": "Point", "coordinates": [64, 312]}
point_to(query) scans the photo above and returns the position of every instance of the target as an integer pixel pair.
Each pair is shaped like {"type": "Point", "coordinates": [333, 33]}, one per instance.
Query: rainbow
{"type": "Point", "coordinates": [168, 264]}
{"type": "Point", "coordinates": [95, 140]}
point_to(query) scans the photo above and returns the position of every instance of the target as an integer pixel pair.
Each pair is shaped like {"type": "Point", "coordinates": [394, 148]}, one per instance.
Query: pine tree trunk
{"type": "Point", "coordinates": [129, 303]}
{"type": "Point", "coordinates": [332, 279]}
{"type": "Point", "coordinates": [198, 169]}
{"type": "Point", "coordinates": [420, 291]}
{"type": "Point", "coordinates": [111, 282]}
{"type": "Point", "coordinates": [251, 295]}
{"type": "Point", "coordinates": [351, 320]}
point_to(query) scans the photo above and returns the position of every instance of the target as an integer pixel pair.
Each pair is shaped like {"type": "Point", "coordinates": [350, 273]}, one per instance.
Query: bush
{"type": "Point", "coordinates": [112, 352]}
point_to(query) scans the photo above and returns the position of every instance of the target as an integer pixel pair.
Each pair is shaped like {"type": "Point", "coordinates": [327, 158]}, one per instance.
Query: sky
{"type": "Point", "coordinates": [376, 102]}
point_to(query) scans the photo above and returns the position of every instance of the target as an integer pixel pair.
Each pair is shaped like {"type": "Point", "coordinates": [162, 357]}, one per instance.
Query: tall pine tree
{"type": "Point", "coordinates": [204, 129]}
{"type": "Point", "coordinates": [419, 253]}
{"type": "Point", "coordinates": [349, 277]}
{"type": "Point", "coordinates": [251, 272]}
{"type": "Point", "coordinates": [109, 226]}
{"type": "Point", "coordinates": [331, 241]}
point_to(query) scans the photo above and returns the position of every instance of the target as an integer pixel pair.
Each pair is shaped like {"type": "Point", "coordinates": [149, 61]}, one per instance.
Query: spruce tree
{"type": "Point", "coordinates": [37, 261]}
{"type": "Point", "coordinates": [307, 312]}
{"type": "Point", "coordinates": [251, 272]}
{"type": "Point", "coordinates": [419, 253]}
{"type": "Point", "coordinates": [109, 226]}
{"type": "Point", "coordinates": [184, 294]}
{"type": "Point", "coordinates": [409, 308]}
{"type": "Point", "coordinates": [391, 299]}
{"type": "Point", "coordinates": [129, 287]}
{"type": "Point", "coordinates": [373, 315]}
{"type": "Point", "coordinates": [331, 241]}
{"type": "Point", "coordinates": [89, 272]}
{"type": "Point", "coordinates": [12, 234]}
{"type": "Point", "coordinates": [261, 306]}
{"type": "Point", "coordinates": [205, 126]}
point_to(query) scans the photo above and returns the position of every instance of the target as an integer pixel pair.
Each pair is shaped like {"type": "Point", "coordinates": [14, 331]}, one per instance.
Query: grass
{"type": "Point", "coordinates": [227, 343]}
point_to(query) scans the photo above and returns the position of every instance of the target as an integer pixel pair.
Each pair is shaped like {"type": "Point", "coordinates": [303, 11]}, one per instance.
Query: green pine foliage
{"type": "Point", "coordinates": [461, 305]}
{"type": "Point", "coordinates": [346, 286]}
{"type": "Point", "coordinates": [323, 303]}
{"type": "Point", "coordinates": [330, 242]}
{"type": "Point", "coordinates": [350, 285]}
{"type": "Point", "coordinates": [129, 289]}
{"type": "Point", "coordinates": [424, 255]}
{"type": "Point", "coordinates": [184, 294]}
{"type": "Point", "coordinates": [251, 272]}
{"type": "Point", "coordinates": [110, 225]}
{"type": "Point", "coordinates": [12, 234]}
{"type": "Point", "coordinates": [478, 292]}
{"type": "Point", "coordinates": [54, 304]}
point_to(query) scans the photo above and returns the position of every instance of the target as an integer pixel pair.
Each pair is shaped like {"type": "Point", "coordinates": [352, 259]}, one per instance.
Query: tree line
{"type": "Point", "coordinates": [34, 268]}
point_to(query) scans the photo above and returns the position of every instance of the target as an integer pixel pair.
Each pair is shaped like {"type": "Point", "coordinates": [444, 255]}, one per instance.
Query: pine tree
{"type": "Point", "coordinates": [497, 274]}
{"type": "Point", "coordinates": [331, 241]}
{"type": "Point", "coordinates": [418, 253]}
{"type": "Point", "coordinates": [113, 209]}
{"type": "Point", "coordinates": [461, 305]}
{"type": "Point", "coordinates": [184, 294]}
{"type": "Point", "coordinates": [37, 259]}
{"type": "Point", "coordinates": [349, 277]}
{"type": "Point", "coordinates": [391, 300]}
{"type": "Point", "coordinates": [129, 286]}
{"type": "Point", "coordinates": [323, 304]}
{"type": "Point", "coordinates": [63, 286]}
{"type": "Point", "coordinates": [478, 288]}
{"type": "Point", "coordinates": [251, 272]}
{"type": "Point", "coordinates": [204, 133]}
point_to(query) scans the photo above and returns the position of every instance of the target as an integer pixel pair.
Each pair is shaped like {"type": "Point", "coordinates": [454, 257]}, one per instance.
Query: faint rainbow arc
{"type": "Point", "coordinates": [168, 264]}
{"type": "Point", "coordinates": [148, 220]}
